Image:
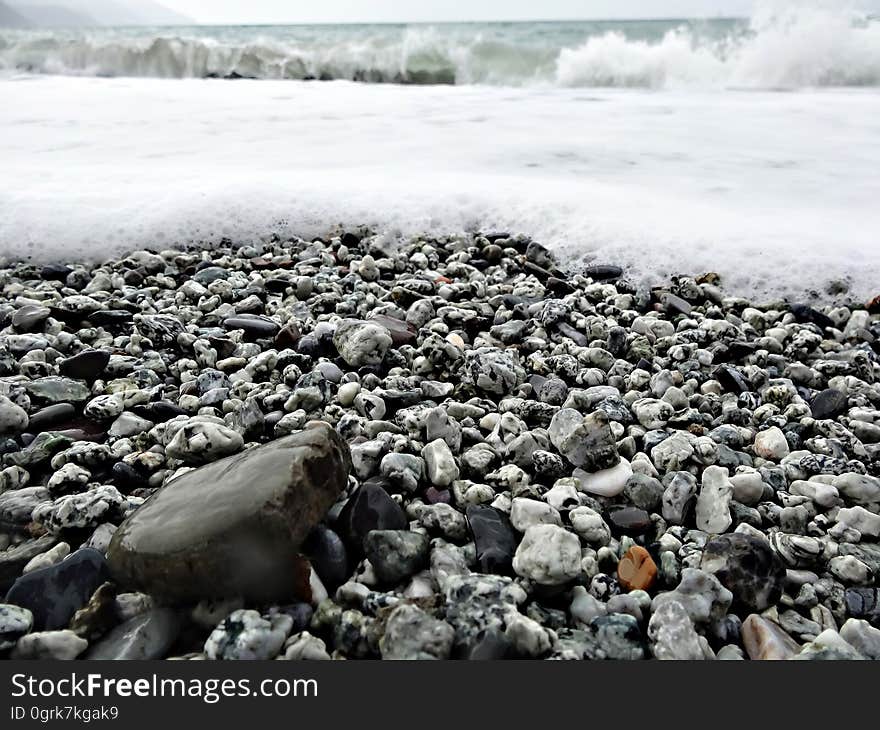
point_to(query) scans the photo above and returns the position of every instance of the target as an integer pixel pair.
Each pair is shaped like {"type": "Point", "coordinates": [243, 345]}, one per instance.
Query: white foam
{"type": "Point", "coordinates": [788, 48]}
{"type": "Point", "coordinates": [775, 191]}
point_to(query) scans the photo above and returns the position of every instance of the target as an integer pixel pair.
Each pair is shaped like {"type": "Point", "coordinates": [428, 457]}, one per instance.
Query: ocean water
{"type": "Point", "coordinates": [746, 147]}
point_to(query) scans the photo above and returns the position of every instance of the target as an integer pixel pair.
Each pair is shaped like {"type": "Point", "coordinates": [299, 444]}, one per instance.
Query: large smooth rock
{"type": "Point", "coordinates": [234, 527]}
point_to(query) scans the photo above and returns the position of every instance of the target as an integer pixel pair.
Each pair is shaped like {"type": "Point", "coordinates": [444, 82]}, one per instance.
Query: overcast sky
{"type": "Point", "coordinates": [303, 11]}
{"type": "Point", "coordinates": [353, 11]}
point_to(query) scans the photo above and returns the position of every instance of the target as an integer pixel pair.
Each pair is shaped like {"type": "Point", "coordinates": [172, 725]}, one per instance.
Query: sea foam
{"type": "Point", "coordinates": [776, 192]}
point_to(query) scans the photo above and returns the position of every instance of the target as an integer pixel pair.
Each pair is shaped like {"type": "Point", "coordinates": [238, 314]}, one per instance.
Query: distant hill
{"type": "Point", "coordinates": [11, 18]}
{"type": "Point", "coordinates": [53, 13]}
{"type": "Point", "coordinates": [55, 16]}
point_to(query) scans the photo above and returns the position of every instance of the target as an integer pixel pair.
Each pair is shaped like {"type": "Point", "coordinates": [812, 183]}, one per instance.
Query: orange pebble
{"type": "Point", "coordinates": [637, 570]}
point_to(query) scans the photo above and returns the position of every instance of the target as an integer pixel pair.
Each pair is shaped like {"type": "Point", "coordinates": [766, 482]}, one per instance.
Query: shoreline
{"type": "Point", "coordinates": [521, 462]}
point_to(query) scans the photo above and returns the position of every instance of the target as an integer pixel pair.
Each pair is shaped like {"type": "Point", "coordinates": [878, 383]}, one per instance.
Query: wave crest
{"type": "Point", "coordinates": [790, 49]}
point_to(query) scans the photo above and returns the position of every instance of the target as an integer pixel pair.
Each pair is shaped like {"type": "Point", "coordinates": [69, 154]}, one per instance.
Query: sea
{"type": "Point", "coordinates": [747, 147]}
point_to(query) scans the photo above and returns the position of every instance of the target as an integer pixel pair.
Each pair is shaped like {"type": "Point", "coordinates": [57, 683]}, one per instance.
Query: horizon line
{"type": "Point", "coordinates": [658, 19]}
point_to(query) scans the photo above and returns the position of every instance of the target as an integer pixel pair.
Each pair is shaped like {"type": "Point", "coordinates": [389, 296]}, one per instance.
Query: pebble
{"type": "Point", "coordinates": [13, 418]}
{"type": "Point", "coordinates": [245, 634]}
{"type": "Point", "coordinates": [86, 365]}
{"type": "Point", "coordinates": [673, 636]}
{"type": "Point", "coordinates": [396, 554]}
{"type": "Point", "coordinates": [52, 645]}
{"type": "Point", "coordinates": [148, 635]}
{"type": "Point", "coordinates": [606, 482]}
{"type": "Point", "coordinates": [534, 442]}
{"type": "Point", "coordinates": [771, 444]}
{"type": "Point", "coordinates": [863, 637]}
{"type": "Point", "coordinates": [548, 555]}
{"type": "Point", "coordinates": [370, 508]}
{"type": "Point", "coordinates": [440, 466]}
{"type": "Point", "coordinates": [494, 539]}
{"type": "Point", "coordinates": [763, 639]}
{"type": "Point", "coordinates": [586, 441]}
{"type": "Point", "coordinates": [713, 502]}
{"type": "Point", "coordinates": [305, 647]}
{"type": "Point", "coordinates": [412, 634]}
{"type": "Point", "coordinates": [748, 568]}
{"type": "Point", "coordinates": [15, 622]}
{"type": "Point", "coordinates": [637, 570]}
{"type": "Point", "coordinates": [361, 343]}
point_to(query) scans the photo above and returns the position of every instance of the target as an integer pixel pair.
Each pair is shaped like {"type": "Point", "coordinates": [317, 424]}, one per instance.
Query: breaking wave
{"type": "Point", "coordinates": [788, 49]}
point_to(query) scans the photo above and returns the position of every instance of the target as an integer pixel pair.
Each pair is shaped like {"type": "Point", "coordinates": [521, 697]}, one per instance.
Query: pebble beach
{"type": "Point", "coordinates": [437, 448]}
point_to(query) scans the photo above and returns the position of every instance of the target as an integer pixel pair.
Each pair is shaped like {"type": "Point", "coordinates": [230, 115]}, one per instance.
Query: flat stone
{"type": "Point", "coordinates": [401, 332]}
{"type": "Point", "coordinates": [233, 527]}
{"type": "Point", "coordinates": [629, 520]}
{"type": "Point", "coordinates": [45, 418]}
{"type": "Point", "coordinates": [85, 365]}
{"type": "Point", "coordinates": [55, 593]}
{"type": "Point", "coordinates": [147, 636]}
{"type": "Point", "coordinates": [254, 325]}
{"type": "Point", "coordinates": [54, 389]}
{"type": "Point", "coordinates": [828, 404]}
{"type": "Point", "coordinates": [30, 317]}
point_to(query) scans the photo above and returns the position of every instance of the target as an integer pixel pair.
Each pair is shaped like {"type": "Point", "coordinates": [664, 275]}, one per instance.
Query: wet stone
{"type": "Point", "coordinates": [233, 527]}
{"type": "Point", "coordinates": [55, 593]}
{"type": "Point", "coordinates": [147, 636]}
